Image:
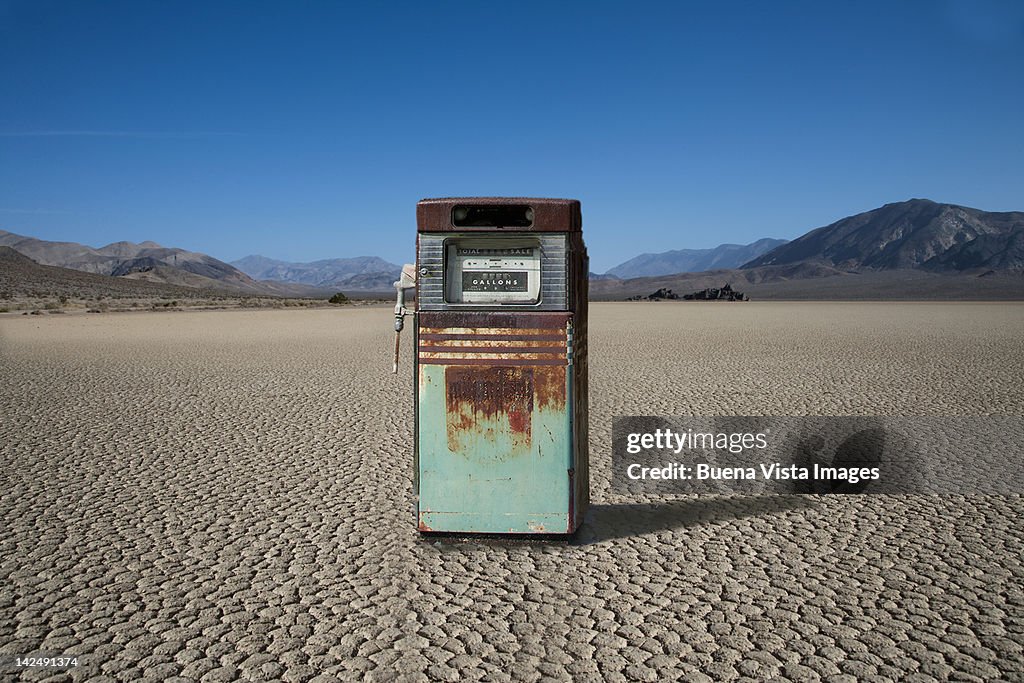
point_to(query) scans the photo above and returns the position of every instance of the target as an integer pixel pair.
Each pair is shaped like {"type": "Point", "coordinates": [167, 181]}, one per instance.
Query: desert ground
{"type": "Point", "coordinates": [216, 495]}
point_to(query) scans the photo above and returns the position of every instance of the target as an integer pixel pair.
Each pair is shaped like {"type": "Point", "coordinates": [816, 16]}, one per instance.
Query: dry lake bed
{"type": "Point", "coordinates": [225, 495]}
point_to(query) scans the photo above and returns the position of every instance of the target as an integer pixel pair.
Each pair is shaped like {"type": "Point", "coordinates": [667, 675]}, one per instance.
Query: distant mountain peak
{"type": "Point", "coordinates": [917, 233]}
{"type": "Point", "coordinates": [358, 272]}
{"type": "Point", "coordinates": [723, 256]}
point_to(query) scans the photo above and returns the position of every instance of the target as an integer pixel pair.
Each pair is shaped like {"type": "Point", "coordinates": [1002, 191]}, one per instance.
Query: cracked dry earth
{"type": "Point", "coordinates": [227, 495]}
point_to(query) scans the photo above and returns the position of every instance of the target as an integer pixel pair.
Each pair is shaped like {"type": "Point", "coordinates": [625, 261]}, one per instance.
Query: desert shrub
{"type": "Point", "coordinates": [4, 309]}
{"type": "Point", "coordinates": [338, 298]}
{"type": "Point", "coordinates": [63, 299]}
{"type": "Point", "coordinates": [51, 306]}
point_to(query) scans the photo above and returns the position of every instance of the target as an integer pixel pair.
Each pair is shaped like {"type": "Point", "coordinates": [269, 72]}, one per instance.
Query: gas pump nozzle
{"type": "Point", "coordinates": [406, 281]}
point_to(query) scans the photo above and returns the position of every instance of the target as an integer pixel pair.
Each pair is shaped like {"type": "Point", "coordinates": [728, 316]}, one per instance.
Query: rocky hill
{"type": "Point", "coordinates": [20, 276]}
{"type": "Point", "coordinates": [918, 233]}
{"type": "Point", "coordinates": [150, 262]}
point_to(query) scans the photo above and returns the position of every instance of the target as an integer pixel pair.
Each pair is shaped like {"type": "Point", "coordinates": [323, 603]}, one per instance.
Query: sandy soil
{"type": "Point", "coordinates": [218, 495]}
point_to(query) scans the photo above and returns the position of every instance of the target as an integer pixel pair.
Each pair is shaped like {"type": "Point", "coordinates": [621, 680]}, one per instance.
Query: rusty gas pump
{"type": "Point", "coordinates": [500, 364]}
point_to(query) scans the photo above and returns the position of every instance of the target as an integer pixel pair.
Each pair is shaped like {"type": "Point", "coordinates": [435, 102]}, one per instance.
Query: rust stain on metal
{"type": "Point", "coordinates": [549, 215]}
{"type": "Point", "coordinates": [493, 334]}
{"type": "Point", "coordinates": [485, 402]}
{"type": "Point", "coordinates": [491, 322]}
{"type": "Point", "coordinates": [497, 342]}
{"type": "Point", "coordinates": [519, 421]}
{"type": "Point", "coordinates": [423, 526]}
{"type": "Point", "coordinates": [427, 359]}
{"type": "Point", "coordinates": [490, 333]}
{"type": "Point", "coordinates": [504, 350]}
{"type": "Point", "coordinates": [549, 387]}
{"type": "Point", "coordinates": [489, 358]}
{"type": "Point", "coordinates": [494, 341]}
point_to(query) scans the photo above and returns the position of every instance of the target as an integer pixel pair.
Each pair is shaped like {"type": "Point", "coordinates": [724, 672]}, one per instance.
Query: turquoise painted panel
{"type": "Point", "coordinates": [494, 449]}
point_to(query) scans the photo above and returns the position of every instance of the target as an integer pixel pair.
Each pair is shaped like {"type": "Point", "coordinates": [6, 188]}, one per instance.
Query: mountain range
{"type": "Point", "coordinates": [917, 233]}
{"type": "Point", "coordinates": [22, 276]}
{"type": "Point", "coordinates": [362, 273]}
{"type": "Point", "coordinates": [693, 260]}
{"type": "Point", "coordinates": [917, 249]}
{"type": "Point", "coordinates": [916, 236]}
{"type": "Point", "coordinates": [150, 262]}
{"type": "Point", "coordinates": [251, 276]}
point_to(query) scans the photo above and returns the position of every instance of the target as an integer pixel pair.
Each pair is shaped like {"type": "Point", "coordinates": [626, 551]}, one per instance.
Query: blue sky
{"type": "Point", "coordinates": [306, 130]}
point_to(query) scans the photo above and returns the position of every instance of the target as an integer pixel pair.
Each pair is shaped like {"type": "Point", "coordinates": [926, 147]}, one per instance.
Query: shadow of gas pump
{"type": "Point", "coordinates": [862, 450]}
{"type": "Point", "coordinates": [606, 522]}
{"type": "Point", "coordinates": [862, 444]}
